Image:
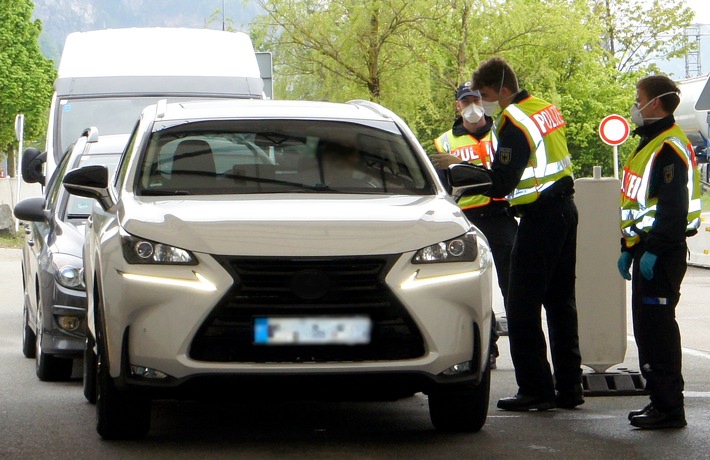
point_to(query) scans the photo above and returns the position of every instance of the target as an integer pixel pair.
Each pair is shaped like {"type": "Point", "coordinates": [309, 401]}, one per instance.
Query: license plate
{"type": "Point", "coordinates": [318, 330]}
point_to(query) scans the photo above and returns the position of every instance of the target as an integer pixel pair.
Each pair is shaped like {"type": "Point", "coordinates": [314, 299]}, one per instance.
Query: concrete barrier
{"type": "Point", "coordinates": [699, 245]}
{"type": "Point", "coordinates": [8, 191]}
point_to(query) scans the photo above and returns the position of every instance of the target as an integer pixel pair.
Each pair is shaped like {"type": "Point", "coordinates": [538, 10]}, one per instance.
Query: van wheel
{"type": "Point", "coordinates": [118, 415]}
{"type": "Point", "coordinates": [461, 409]}
{"type": "Point", "coordinates": [50, 368]}
{"type": "Point", "coordinates": [89, 370]}
{"type": "Point", "coordinates": [29, 346]}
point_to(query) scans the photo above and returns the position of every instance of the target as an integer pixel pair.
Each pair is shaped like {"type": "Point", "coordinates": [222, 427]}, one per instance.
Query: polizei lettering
{"type": "Point", "coordinates": [631, 184]}
{"type": "Point", "coordinates": [548, 119]}
{"type": "Point", "coordinates": [466, 153]}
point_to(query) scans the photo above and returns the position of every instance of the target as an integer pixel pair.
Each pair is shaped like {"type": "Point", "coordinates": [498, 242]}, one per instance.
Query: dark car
{"type": "Point", "coordinates": [54, 317]}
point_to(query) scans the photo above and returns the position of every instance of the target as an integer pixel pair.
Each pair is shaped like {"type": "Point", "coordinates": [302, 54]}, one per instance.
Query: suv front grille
{"type": "Point", "coordinates": [308, 286]}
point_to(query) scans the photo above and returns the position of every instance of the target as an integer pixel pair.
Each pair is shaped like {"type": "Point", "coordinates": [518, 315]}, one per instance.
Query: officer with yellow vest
{"type": "Point", "coordinates": [660, 207]}
{"type": "Point", "coordinates": [471, 140]}
{"type": "Point", "coordinates": [533, 169]}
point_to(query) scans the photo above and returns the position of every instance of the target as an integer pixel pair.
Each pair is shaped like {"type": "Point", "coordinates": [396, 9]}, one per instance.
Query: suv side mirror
{"type": "Point", "coordinates": [466, 179]}
{"type": "Point", "coordinates": [31, 210]}
{"type": "Point", "coordinates": [90, 182]}
{"type": "Point", "coordinates": [31, 166]}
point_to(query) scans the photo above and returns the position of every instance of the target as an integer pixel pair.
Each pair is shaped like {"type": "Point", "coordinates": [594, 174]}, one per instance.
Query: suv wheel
{"type": "Point", "coordinates": [461, 409]}
{"type": "Point", "coordinates": [118, 415]}
{"type": "Point", "coordinates": [49, 368]}
{"type": "Point", "coordinates": [89, 370]}
{"type": "Point", "coordinates": [29, 346]}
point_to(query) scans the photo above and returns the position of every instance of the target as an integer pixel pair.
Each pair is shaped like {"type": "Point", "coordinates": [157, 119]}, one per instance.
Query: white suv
{"type": "Point", "coordinates": [289, 248]}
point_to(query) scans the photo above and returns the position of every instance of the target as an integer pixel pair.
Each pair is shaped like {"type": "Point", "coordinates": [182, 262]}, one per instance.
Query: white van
{"type": "Point", "coordinates": [106, 78]}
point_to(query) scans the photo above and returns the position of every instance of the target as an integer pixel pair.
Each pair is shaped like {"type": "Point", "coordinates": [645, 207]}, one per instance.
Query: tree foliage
{"type": "Point", "coordinates": [410, 55]}
{"type": "Point", "coordinates": [25, 75]}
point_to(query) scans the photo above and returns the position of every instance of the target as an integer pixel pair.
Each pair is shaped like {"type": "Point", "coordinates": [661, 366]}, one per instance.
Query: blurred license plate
{"type": "Point", "coordinates": [350, 330]}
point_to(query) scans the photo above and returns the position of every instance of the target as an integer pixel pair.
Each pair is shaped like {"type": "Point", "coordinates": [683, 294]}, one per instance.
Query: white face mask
{"type": "Point", "coordinates": [491, 108]}
{"type": "Point", "coordinates": [472, 113]}
{"type": "Point", "coordinates": [636, 116]}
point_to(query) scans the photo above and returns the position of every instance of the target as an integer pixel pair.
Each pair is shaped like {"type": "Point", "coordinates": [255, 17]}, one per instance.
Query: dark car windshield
{"type": "Point", "coordinates": [278, 156]}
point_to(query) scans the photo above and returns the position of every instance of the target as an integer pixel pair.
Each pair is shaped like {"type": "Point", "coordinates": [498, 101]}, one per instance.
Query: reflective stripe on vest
{"type": "Point", "coordinates": [471, 150]}
{"type": "Point", "coordinates": [638, 210]}
{"type": "Point", "coordinates": [549, 157]}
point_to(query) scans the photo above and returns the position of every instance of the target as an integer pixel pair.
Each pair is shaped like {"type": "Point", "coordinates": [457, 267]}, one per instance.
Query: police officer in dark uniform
{"type": "Point", "coordinates": [660, 206]}
{"type": "Point", "coordinates": [532, 167]}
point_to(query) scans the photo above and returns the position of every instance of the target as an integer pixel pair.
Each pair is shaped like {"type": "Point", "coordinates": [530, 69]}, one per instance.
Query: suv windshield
{"type": "Point", "coordinates": [278, 156]}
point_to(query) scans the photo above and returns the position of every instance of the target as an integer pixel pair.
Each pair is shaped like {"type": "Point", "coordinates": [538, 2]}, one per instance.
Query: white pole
{"type": "Point", "coordinates": [20, 133]}
{"type": "Point", "coordinates": [616, 161]}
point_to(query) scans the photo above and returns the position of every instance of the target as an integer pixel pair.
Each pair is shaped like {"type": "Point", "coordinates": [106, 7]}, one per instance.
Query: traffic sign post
{"type": "Point", "coordinates": [614, 130]}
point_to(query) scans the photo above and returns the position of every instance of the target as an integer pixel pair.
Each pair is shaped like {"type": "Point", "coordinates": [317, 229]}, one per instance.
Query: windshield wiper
{"type": "Point", "coordinates": [157, 192]}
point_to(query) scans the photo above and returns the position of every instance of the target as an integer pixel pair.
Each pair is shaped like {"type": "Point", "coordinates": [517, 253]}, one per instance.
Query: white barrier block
{"type": "Point", "coordinates": [699, 245]}
{"type": "Point", "coordinates": [601, 291]}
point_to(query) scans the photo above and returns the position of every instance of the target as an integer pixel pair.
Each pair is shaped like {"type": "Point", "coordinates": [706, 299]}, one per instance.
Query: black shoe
{"type": "Point", "coordinates": [492, 362]}
{"type": "Point", "coordinates": [570, 399]}
{"type": "Point", "coordinates": [634, 413]}
{"type": "Point", "coordinates": [524, 403]}
{"type": "Point", "coordinates": [654, 419]}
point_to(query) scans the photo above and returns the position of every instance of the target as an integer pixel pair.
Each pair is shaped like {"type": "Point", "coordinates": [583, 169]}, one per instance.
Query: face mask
{"type": "Point", "coordinates": [491, 108]}
{"type": "Point", "coordinates": [472, 113]}
{"type": "Point", "coordinates": [636, 116]}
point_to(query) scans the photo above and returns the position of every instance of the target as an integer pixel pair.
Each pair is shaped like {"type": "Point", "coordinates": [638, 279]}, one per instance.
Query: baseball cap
{"type": "Point", "coordinates": [465, 90]}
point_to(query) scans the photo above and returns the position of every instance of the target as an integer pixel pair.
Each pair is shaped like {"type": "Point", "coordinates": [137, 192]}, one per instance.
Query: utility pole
{"type": "Point", "coordinates": [693, 65]}
{"type": "Point", "coordinates": [223, 16]}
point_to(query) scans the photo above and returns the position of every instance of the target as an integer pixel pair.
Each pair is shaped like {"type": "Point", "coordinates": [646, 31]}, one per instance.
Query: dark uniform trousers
{"type": "Point", "coordinates": [543, 265]}
{"type": "Point", "coordinates": [655, 327]}
{"type": "Point", "coordinates": [499, 229]}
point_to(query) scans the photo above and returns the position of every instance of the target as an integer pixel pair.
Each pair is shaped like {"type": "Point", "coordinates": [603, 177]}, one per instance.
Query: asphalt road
{"type": "Point", "coordinates": [52, 420]}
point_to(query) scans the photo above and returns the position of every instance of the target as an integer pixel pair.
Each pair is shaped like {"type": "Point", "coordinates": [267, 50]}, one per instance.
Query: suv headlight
{"type": "Point", "coordinates": [141, 251]}
{"type": "Point", "coordinates": [460, 249]}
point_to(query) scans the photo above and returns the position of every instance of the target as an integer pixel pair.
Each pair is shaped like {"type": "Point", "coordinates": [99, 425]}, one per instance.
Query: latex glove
{"type": "Point", "coordinates": [624, 264]}
{"type": "Point", "coordinates": [443, 161]}
{"type": "Point", "coordinates": [648, 260]}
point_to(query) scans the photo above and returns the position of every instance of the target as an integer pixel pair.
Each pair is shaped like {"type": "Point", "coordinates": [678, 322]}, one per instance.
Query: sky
{"type": "Point", "coordinates": [676, 67]}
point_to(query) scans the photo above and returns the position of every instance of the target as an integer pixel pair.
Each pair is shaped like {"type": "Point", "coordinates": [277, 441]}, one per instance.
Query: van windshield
{"type": "Point", "coordinates": [115, 115]}
{"type": "Point", "coordinates": [280, 156]}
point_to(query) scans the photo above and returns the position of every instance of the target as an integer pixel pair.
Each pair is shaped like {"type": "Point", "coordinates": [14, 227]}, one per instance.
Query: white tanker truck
{"type": "Point", "coordinates": [693, 113]}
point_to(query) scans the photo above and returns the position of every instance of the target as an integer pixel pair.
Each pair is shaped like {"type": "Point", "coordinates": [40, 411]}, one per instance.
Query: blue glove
{"type": "Point", "coordinates": [648, 260]}
{"type": "Point", "coordinates": [624, 264]}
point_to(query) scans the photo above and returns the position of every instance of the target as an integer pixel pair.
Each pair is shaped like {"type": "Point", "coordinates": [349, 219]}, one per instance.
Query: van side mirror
{"type": "Point", "coordinates": [31, 165]}
{"type": "Point", "coordinates": [466, 179]}
{"type": "Point", "coordinates": [90, 182]}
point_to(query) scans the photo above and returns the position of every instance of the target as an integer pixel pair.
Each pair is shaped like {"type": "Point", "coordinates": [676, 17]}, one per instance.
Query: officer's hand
{"type": "Point", "coordinates": [624, 264]}
{"type": "Point", "coordinates": [648, 260]}
{"type": "Point", "coordinates": [443, 161]}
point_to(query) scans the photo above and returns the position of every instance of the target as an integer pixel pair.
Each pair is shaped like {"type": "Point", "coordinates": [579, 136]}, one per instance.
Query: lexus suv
{"type": "Point", "coordinates": [289, 249]}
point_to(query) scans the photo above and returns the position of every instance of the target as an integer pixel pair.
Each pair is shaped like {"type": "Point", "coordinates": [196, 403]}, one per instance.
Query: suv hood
{"type": "Point", "coordinates": [293, 225]}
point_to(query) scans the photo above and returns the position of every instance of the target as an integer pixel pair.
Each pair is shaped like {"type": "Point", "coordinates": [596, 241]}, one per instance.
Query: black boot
{"type": "Point", "coordinates": [524, 403]}
{"type": "Point", "coordinates": [569, 399]}
{"type": "Point", "coordinates": [634, 413]}
{"type": "Point", "coordinates": [654, 419]}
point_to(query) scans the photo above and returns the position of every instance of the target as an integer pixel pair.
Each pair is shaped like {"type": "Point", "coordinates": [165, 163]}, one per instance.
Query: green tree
{"type": "Point", "coordinates": [25, 75]}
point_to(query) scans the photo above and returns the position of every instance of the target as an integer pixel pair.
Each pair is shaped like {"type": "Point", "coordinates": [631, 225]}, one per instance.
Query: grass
{"type": "Point", "coordinates": [12, 242]}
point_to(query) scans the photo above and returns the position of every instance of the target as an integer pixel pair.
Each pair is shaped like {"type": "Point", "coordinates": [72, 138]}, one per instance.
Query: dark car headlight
{"type": "Point", "coordinates": [463, 248]}
{"type": "Point", "coordinates": [142, 251]}
{"type": "Point", "coordinates": [71, 277]}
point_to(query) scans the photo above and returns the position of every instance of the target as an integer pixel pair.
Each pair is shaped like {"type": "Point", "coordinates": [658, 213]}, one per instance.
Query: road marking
{"type": "Point", "coordinates": [687, 351]}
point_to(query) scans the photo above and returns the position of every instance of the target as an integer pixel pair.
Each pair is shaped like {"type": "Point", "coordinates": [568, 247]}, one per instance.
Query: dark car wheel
{"type": "Point", "coordinates": [89, 370]}
{"type": "Point", "coordinates": [50, 368]}
{"type": "Point", "coordinates": [29, 346]}
{"type": "Point", "coordinates": [461, 409]}
{"type": "Point", "coordinates": [118, 415]}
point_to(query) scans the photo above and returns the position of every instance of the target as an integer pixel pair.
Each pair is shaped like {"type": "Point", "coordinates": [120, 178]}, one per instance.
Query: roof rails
{"type": "Point", "coordinates": [161, 108]}
{"type": "Point", "coordinates": [92, 134]}
{"type": "Point", "coordinates": [377, 108]}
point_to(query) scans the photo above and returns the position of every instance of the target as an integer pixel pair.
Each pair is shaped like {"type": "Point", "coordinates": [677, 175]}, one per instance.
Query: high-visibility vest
{"type": "Point", "coordinates": [544, 127]}
{"type": "Point", "coordinates": [638, 210]}
{"type": "Point", "coordinates": [471, 150]}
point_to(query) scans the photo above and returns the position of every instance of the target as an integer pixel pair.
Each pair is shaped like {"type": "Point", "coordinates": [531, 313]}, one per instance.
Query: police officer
{"type": "Point", "coordinates": [471, 140]}
{"type": "Point", "coordinates": [532, 167]}
{"type": "Point", "coordinates": [660, 206]}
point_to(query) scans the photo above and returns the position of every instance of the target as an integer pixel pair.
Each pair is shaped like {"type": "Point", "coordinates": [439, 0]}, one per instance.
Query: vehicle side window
{"type": "Point", "coordinates": [125, 159]}
{"type": "Point", "coordinates": [55, 182]}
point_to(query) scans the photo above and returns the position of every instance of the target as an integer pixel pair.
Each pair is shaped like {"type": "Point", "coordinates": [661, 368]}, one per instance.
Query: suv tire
{"type": "Point", "coordinates": [89, 370]}
{"type": "Point", "coordinates": [461, 409]}
{"type": "Point", "coordinates": [29, 347]}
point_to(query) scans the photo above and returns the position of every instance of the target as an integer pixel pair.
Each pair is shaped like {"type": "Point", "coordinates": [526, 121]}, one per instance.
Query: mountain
{"type": "Point", "coordinates": [61, 17]}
